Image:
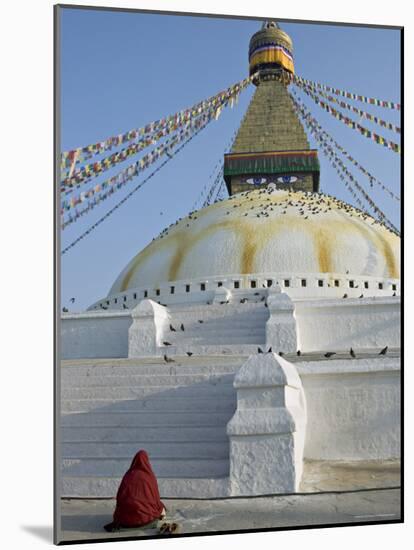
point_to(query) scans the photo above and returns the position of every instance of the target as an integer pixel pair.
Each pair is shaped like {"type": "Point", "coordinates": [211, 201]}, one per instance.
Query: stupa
{"type": "Point", "coordinates": [253, 327]}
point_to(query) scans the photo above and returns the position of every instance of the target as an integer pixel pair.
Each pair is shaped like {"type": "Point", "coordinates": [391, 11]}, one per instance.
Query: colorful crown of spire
{"type": "Point", "coordinates": [270, 50]}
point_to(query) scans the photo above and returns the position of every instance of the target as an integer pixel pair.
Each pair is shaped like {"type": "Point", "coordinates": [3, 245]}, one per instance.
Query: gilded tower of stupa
{"type": "Point", "coordinates": [271, 145]}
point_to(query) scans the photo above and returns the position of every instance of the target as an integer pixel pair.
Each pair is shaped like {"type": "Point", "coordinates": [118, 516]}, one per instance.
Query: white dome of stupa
{"type": "Point", "coordinates": [266, 231]}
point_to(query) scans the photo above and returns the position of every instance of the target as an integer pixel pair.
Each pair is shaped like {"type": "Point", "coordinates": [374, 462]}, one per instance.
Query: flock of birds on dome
{"type": "Point", "coordinates": [306, 204]}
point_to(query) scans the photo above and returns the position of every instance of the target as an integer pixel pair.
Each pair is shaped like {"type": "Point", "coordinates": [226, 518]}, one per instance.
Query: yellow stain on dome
{"type": "Point", "coordinates": [380, 240]}
{"type": "Point", "coordinates": [393, 268]}
{"type": "Point", "coordinates": [323, 245]}
{"type": "Point", "coordinates": [188, 240]}
{"type": "Point", "coordinates": [248, 256]}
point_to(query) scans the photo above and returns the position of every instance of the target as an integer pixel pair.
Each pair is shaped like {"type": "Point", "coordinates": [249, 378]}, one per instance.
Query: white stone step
{"type": "Point", "coordinates": [144, 434]}
{"type": "Point", "coordinates": [188, 308]}
{"type": "Point", "coordinates": [188, 344]}
{"type": "Point", "coordinates": [102, 487]}
{"type": "Point", "coordinates": [127, 450]}
{"type": "Point", "coordinates": [163, 467]}
{"type": "Point", "coordinates": [149, 419]}
{"type": "Point", "coordinates": [234, 325]}
{"type": "Point", "coordinates": [179, 403]}
{"type": "Point", "coordinates": [69, 371]}
{"type": "Point", "coordinates": [177, 411]}
{"type": "Point", "coordinates": [213, 331]}
{"type": "Point", "coordinates": [148, 380]}
{"type": "Point", "coordinates": [203, 391]}
{"type": "Point", "coordinates": [228, 349]}
{"type": "Point", "coordinates": [210, 330]}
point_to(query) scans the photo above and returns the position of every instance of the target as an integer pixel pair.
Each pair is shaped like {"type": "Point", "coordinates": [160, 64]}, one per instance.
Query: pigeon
{"type": "Point", "coordinates": [65, 310]}
{"type": "Point", "coordinates": [329, 353]}
{"type": "Point", "coordinates": [243, 300]}
{"type": "Point", "coordinates": [189, 353]}
{"type": "Point", "coordinates": [200, 321]}
{"type": "Point", "coordinates": [166, 343]}
{"type": "Point", "coordinates": [182, 327]}
{"type": "Point", "coordinates": [361, 296]}
{"type": "Point", "coordinates": [269, 350]}
{"type": "Point", "coordinates": [383, 351]}
{"type": "Point", "coordinates": [72, 300]}
{"type": "Point", "coordinates": [298, 352]}
{"type": "Point", "coordinates": [394, 294]}
{"type": "Point", "coordinates": [172, 328]}
{"type": "Point", "coordinates": [345, 295]}
{"type": "Point", "coordinates": [168, 360]}
{"type": "Point", "coordinates": [124, 306]}
{"type": "Point", "coordinates": [281, 353]}
{"type": "Point", "coordinates": [351, 351]}
{"type": "Point", "coordinates": [259, 350]}
{"type": "Point", "coordinates": [257, 294]}
{"type": "Point", "coordinates": [104, 307]}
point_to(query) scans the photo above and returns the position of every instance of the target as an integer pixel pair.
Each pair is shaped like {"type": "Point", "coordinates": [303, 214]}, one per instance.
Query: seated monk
{"type": "Point", "coordinates": [138, 500]}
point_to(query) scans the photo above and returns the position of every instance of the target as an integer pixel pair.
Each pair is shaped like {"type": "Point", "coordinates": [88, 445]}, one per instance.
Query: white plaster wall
{"type": "Point", "coordinates": [332, 325]}
{"type": "Point", "coordinates": [322, 325]}
{"type": "Point", "coordinates": [95, 334]}
{"type": "Point", "coordinates": [353, 409]}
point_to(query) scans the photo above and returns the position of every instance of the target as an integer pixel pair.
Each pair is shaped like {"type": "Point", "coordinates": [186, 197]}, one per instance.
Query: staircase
{"type": "Point", "coordinates": [176, 411]}
{"type": "Point", "coordinates": [225, 328]}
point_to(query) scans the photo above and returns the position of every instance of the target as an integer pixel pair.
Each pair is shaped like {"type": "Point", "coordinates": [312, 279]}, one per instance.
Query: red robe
{"type": "Point", "coordinates": [138, 499]}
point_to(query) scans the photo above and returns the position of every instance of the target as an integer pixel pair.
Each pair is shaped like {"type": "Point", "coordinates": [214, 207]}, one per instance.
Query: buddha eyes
{"type": "Point", "coordinates": [256, 181]}
{"type": "Point", "coordinates": [260, 180]}
{"type": "Point", "coordinates": [287, 179]}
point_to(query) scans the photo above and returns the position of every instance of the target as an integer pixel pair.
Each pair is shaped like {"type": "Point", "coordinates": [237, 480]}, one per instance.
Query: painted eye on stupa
{"type": "Point", "coordinates": [256, 181]}
{"type": "Point", "coordinates": [287, 179]}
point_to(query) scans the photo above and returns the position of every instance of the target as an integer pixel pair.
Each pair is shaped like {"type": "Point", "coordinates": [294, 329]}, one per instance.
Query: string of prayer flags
{"type": "Point", "coordinates": [351, 123]}
{"type": "Point", "coordinates": [364, 99]}
{"type": "Point", "coordinates": [128, 196]}
{"type": "Point", "coordinates": [215, 187]}
{"type": "Point", "coordinates": [359, 112]}
{"type": "Point", "coordinates": [87, 172]}
{"type": "Point", "coordinates": [110, 186]}
{"type": "Point", "coordinates": [76, 156]}
{"type": "Point", "coordinates": [372, 179]}
{"type": "Point", "coordinates": [219, 166]}
{"type": "Point", "coordinates": [320, 136]}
